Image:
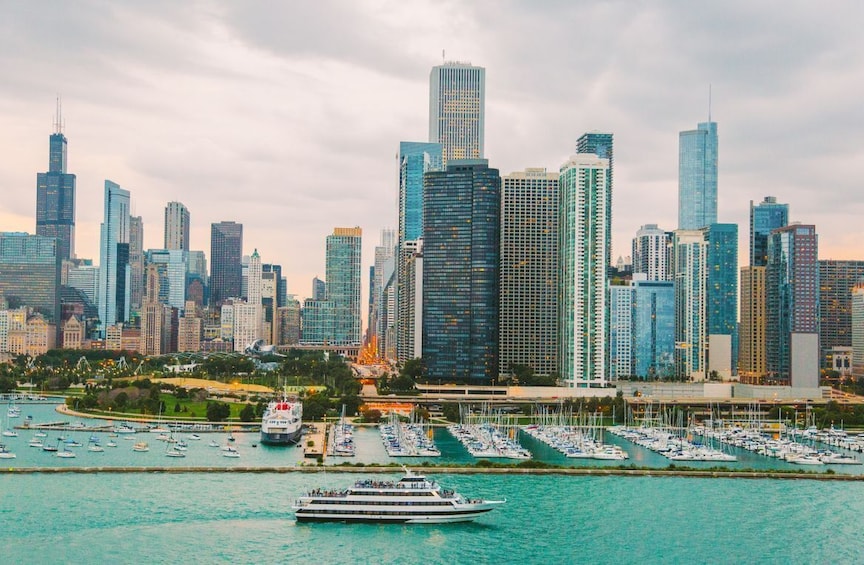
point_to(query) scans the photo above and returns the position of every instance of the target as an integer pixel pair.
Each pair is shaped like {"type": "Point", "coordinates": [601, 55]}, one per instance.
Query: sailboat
{"type": "Point", "coordinates": [5, 453]}
{"type": "Point", "coordinates": [65, 452]}
{"type": "Point", "coordinates": [9, 431]}
{"type": "Point", "coordinates": [171, 448]}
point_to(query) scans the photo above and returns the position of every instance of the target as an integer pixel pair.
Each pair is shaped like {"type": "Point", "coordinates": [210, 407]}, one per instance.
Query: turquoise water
{"type": "Point", "coordinates": [218, 518]}
{"type": "Point", "coordinates": [246, 518]}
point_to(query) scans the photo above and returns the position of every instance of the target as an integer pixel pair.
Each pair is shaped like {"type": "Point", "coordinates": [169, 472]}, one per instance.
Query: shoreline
{"type": "Point", "coordinates": [620, 472]}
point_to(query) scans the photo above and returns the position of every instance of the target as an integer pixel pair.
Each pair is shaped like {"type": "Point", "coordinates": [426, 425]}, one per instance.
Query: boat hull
{"type": "Point", "coordinates": [392, 519]}
{"type": "Point", "coordinates": [281, 438]}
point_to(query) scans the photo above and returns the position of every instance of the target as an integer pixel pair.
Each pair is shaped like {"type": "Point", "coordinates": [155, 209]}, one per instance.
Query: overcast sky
{"type": "Point", "coordinates": [287, 116]}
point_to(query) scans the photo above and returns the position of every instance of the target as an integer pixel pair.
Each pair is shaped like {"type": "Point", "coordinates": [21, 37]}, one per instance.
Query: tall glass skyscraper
{"type": "Point", "coordinates": [764, 218]}
{"type": "Point", "coordinates": [226, 254]}
{"type": "Point", "coordinates": [114, 273]}
{"type": "Point", "coordinates": [415, 160]}
{"type": "Point", "coordinates": [55, 197]}
{"type": "Point", "coordinates": [583, 308]}
{"type": "Point", "coordinates": [30, 274]}
{"type": "Point", "coordinates": [653, 329]}
{"type": "Point", "coordinates": [136, 262]}
{"type": "Point", "coordinates": [343, 285]}
{"type": "Point", "coordinates": [461, 246]}
{"type": "Point", "coordinates": [172, 266]}
{"type": "Point", "coordinates": [457, 94]}
{"type": "Point", "coordinates": [176, 226]}
{"type": "Point", "coordinates": [721, 286]}
{"type": "Point", "coordinates": [792, 292]}
{"type": "Point", "coordinates": [600, 144]}
{"type": "Point", "coordinates": [697, 177]}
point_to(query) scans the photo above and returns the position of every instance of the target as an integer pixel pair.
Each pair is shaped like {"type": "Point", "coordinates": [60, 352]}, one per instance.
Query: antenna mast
{"type": "Point", "coordinates": [58, 117]}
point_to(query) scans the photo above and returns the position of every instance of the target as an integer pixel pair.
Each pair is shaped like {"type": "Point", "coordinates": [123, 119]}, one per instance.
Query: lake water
{"type": "Point", "coordinates": [246, 518]}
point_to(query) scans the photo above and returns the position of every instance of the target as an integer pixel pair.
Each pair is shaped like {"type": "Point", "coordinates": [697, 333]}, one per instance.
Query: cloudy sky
{"type": "Point", "coordinates": [286, 116]}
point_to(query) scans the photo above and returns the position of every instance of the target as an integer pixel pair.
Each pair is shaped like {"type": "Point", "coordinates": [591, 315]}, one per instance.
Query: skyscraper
{"type": "Point", "coordinates": [651, 253]}
{"type": "Point", "coordinates": [697, 177]}
{"type": "Point", "coordinates": [583, 308]}
{"type": "Point", "coordinates": [55, 196]}
{"type": "Point", "coordinates": [721, 297]}
{"type": "Point", "coordinates": [529, 272]}
{"type": "Point", "coordinates": [653, 328]}
{"type": "Point", "coordinates": [792, 291]}
{"type": "Point", "coordinates": [836, 281]}
{"type": "Point", "coordinates": [457, 93]}
{"type": "Point", "coordinates": [176, 226]}
{"type": "Point", "coordinates": [381, 273]}
{"type": "Point", "coordinates": [461, 249]}
{"type": "Point", "coordinates": [114, 273]}
{"type": "Point", "coordinates": [600, 144]}
{"type": "Point", "coordinates": [415, 159]}
{"type": "Point", "coordinates": [172, 266]}
{"type": "Point", "coordinates": [689, 265]}
{"type": "Point", "coordinates": [764, 218]}
{"type": "Point", "coordinates": [30, 274]}
{"type": "Point", "coordinates": [343, 285]}
{"type": "Point", "coordinates": [136, 262]}
{"type": "Point", "coordinates": [226, 252]}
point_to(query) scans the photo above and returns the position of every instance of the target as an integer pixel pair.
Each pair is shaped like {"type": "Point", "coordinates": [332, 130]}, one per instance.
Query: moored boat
{"type": "Point", "coordinates": [413, 499]}
{"type": "Point", "coordinates": [282, 423]}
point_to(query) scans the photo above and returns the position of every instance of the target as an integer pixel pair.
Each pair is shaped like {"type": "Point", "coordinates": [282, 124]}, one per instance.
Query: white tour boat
{"type": "Point", "coordinates": [413, 499]}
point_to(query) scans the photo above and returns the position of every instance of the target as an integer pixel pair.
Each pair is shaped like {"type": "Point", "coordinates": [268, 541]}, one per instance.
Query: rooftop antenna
{"type": "Point", "coordinates": [709, 102]}
{"type": "Point", "coordinates": [443, 56]}
{"type": "Point", "coordinates": [58, 118]}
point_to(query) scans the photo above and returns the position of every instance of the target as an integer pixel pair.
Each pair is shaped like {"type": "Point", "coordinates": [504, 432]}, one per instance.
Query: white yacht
{"type": "Point", "coordinates": [413, 499]}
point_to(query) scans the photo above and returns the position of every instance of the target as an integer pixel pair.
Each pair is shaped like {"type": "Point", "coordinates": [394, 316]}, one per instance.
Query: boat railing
{"type": "Point", "coordinates": [328, 493]}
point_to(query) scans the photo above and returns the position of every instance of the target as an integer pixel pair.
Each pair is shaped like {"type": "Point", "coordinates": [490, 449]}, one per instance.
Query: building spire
{"type": "Point", "coordinates": [58, 117]}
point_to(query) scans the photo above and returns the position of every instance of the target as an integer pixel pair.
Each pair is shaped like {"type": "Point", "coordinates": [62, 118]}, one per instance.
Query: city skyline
{"type": "Point", "coordinates": [212, 131]}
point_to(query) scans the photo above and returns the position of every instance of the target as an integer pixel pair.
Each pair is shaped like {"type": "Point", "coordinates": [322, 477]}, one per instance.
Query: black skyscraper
{"type": "Point", "coordinates": [226, 254]}
{"type": "Point", "coordinates": [55, 197]}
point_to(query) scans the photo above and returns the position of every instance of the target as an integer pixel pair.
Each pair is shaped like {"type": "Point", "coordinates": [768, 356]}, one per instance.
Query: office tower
{"type": "Point", "coordinates": [136, 262]}
{"type": "Point", "coordinates": [409, 302]}
{"type": "Point", "coordinates": [415, 160]}
{"type": "Point", "coordinates": [652, 328]}
{"type": "Point", "coordinates": [600, 144]}
{"type": "Point", "coordinates": [722, 297]}
{"type": "Point", "coordinates": [288, 317]}
{"type": "Point", "coordinates": [55, 196]}
{"type": "Point", "coordinates": [172, 266]}
{"type": "Point", "coordinates": [457, 94]}
{"type": "Point", "coordinates": [461, 266]}
{"type": "Point", "coordinates": [387, 316]}
{"type": "Point", "coordinates": [316, 322]}
{"type": "Point", "coordinates": [836, 281]}
{"type": "Point", "coordinates": [652, 253]}
{"type": "Point", "coordinates": [381, 272]}
{"type": "Point", "coordinates": [30, 274]}
{"type": "Point", "coordinates": [319, 289]}
{"type": "Point", "coordinates": [189, 332]}
{"type": "Point", "coordinates": [751, 353]}
{"type": "Point", "coordinates": [247, 324]}
{"type": "Point", "coordinates": [114, 275]}
{"type": "Point", "coordinates": [857, 322]}
{"type": "Point", "coordinates": [176, 226]}
{"type": "Point", "coordinates": [582, 280]}
{"type": "Point", "coordinates": [343, 285]}
{"type": "Point", "coordinates": [792, 293]}
{"type": "Point", "coordinates": [620, 330]}
{"type": "Point", "coordinates": [85, 278]}
{"type": "Point", "coordinates": [226, 320]}
{"type": "Point", "coordinates": [765, 218]}
{"type": "Point", "coordinates": [281, 285]}
{"type": "Point", "coordinates": [529, 272]}
{"type": "Point", "coordinates": [255, 273]}
{"type": "Point", "coordinates": [226, 271]}
{"type": "Point", "coordinates": [197, 278]}
{"type": "Point", "coordinates": [697, 177]}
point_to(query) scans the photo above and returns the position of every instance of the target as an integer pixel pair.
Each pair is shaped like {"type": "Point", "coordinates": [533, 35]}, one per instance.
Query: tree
{"type": "Point", "coordinates": [248, 413]}
{"type": "Point", "coordinates": [218, 411]}
{"type": "Point", "coordinates": [451, 412]}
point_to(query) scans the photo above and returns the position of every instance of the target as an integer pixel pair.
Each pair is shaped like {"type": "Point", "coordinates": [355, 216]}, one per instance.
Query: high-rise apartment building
{"type": "Point", "coordinates": [409, 323]}
{"type": "Point", "coordinates": [415, 160]}
{"type": "Point", "coordinates": [583, 308]}
{"type": "Point", "coordinates": [461, 262]}
{"type": "Point", "coordinates": [652, 328]}
{"type": "Point", "coordinates": [30, 274]}
{"type": "Point", "coordinates": [836, 281]}
{"type": "Point", "coordinates": [792, 292]}
{"type": "Point", "coordinates": [55, 196]}
{"type": "Point", "coordinates": [600, 144]}
{"type": "Point", "coordinates": [689, 266]}
{"type": "Point", "coordinates": [114, 272]}
{"type": "Point", "coordinates": [152, 315]}
{"type": "Point", "coordinates": [343, 285]}
{"type": "Point", "coordinates": [226, 252]}
{"type": "Point", "coordinates": [857, 318]}
{"type": "Point", "coordinates": [381, 273]}
{"type": "Point", "coordinates": [765, 217]}
{"type": "Point", "coordinates": [697, 177]}
{"type": "Point", "coordinates": [721, 303]}
{"type": "Point", "coordinates": [652, 253]}
{"type": "Point", "coordinates": [457, 93]}
{"type": "Point", "coordinates": [620, 341]}
{"type": "Point", "coordinates": [751, 353]}
{"type": "Point", "coordinates": [529, 272]}
{"type": "Point", "coordinates": [176, 226]}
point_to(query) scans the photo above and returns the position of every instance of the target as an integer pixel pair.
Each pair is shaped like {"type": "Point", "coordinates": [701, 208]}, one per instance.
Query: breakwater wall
{"type": "Point", "coordinates": [595, 472]}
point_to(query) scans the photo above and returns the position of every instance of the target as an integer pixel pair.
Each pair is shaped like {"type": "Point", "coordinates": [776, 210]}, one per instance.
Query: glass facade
{"type": "Point", "coordinates": [461, 258]}
{"type": "Point", "coordinates": [792, 293]}
{"type": "Point", "coordinates": [764, 218]}
{"type": "Point", "coordinates": [30, 273]}
{"type": "Point", "coordinates": [176, 226]}
{"type": "Point", "coordinates": [582, 271]}
{"type": "Point", "coordinates": [620, 331]}
{"type": "Point", "coordinates": [226, 254]}
{"type": "Point", "coordinates": [600, 144]}
{"type": "Point", "coordinates": [653, 329]}
{"type": "Point", "coordinates": [836, 281]}
{"type": "Point", "coordinates": [55, 199]}
{"type": "Point", "coordinates": [343, 285]}
{"type": "Point", "coordinates": [173, 268]}
{"type": "Point", "coordinates": [697, 177]}
{"type": "Point", "coordinates": [114, 231]}
{"type": "Point", "coordinates": [690, 324]}
{"type": "Point", "coordinates": [721, 288]}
